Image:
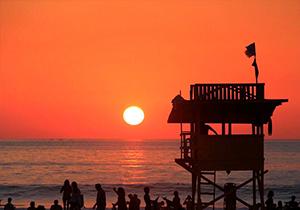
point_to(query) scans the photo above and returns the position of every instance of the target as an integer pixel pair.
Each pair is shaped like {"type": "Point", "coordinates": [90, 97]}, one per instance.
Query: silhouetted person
{"type": "Point", "coordinates": [75, 197]}
{"type": "Point", "coordinates": [279, 206]}
{"type": "Point", "coordinates": [32, 206]}
{"type": "Point", "coordinates": [205, 128]}
{"type": "Point", "coordinates": [147, 198]}
{"type": "Point", "coordinates": [121, 203]}
{"type": "Point", "coordinates": [131, 202]}
{"type": "Point", "coordinates": [9, 205]}
{"type": "Point", "coordinates": [269, 201]}
{"type": "Point", "coordinates": [201, 129]}
{"type": "Point", "coordinates": [40, 207]}
{"type": "Point", "coordinates": [188, 203]}
{"type": "Point", "coordinates": [292, 203]}
{"type": "Point", "coordinates": [56, 206]}
{"type": "Point", "coordinates": [176, 201]}
{"type": "Point", "coordinates": [137, 202]}
{"type": "Point", "coordinates": [67, 189]}
{"type": "Point", "coordinates": [101, 198]}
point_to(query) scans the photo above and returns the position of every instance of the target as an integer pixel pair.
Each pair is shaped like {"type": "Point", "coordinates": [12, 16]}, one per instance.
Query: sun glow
{"type": "Point", "coordinates": [133, 115]}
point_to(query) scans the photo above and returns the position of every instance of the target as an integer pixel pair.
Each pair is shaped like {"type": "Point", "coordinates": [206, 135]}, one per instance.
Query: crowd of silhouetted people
{"type": "Point", "coordinates": [73, 200]}
{"type": "Point", "coordinates": [271, 205]}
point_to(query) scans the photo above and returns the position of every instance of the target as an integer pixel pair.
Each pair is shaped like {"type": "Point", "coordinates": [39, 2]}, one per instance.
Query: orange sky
{"type": "Point", "coordinates": [68, 69]}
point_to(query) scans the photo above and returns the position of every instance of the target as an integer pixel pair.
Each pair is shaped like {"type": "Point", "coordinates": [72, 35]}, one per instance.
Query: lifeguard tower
{"type": "Point", "coordinates": [203, 155]}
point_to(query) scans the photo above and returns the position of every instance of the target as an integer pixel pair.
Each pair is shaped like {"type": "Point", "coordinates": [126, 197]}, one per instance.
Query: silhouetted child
{"type": "Point", "coordinates": [121, 203]}
{"type": "Point", "coordinates": [67, 189]}
{"type": "Point", "coordinates": [32, 206]}
{"type": "Point", "coordinates": [9, 205]}
{"type": "Point", "coordinates": [188, 203]}
{"type": "Point", "coordinates": [279, 206]}
{"type": "Point", "coordinates": [269, 201]}
{"type": "Point", "coordinates": [56, 206]}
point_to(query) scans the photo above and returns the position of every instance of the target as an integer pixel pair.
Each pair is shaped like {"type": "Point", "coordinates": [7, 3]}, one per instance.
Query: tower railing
{"type": "Point", "coordinates": [246, 91]}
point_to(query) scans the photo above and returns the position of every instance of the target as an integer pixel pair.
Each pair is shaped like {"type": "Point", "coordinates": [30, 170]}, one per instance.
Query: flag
{"type": "Point", "coordinates": [256, 68]}
{"type": "Point", "coordinates": [250, 50]}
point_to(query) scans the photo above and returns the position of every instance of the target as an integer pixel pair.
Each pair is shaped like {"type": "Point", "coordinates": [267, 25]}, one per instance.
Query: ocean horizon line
{"type": "Point", "coordinates": [129, 139]}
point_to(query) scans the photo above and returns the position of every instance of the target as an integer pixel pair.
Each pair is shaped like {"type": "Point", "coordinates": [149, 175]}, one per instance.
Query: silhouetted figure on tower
{"type": "Point", "coordinates": [205, 128]}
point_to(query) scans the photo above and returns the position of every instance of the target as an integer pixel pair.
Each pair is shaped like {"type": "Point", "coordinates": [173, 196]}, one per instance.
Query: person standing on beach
{"type": "Point", "coordinates": [137, 202]}
{"type": "Point", "coordinates": [121, 203]}
{"type": "Point", "coordinates": [9, 205]}
{"type": "Point", "coordinates": [176, 201]}
{"type": "Point", "coordinates": [269, 201]}
{"type": "Point", "coordinates": [75, 197]}
{"type": "Point", "coordinates": [101, 198]}
{"type": "Point", "coordinates": [67, 189]}
{"type": "Point", "coordinates": [188, 202]}
{"type": "Point", "coordinates": [131, 202]}
{"type": "Point", "coordinates": [147, 198]}
{"type": "Point", "coordinates": [293, 204]}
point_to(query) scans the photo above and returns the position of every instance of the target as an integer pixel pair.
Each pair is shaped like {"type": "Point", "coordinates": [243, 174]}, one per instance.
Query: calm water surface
{"type": "Point", "coordinates": [36, 169]}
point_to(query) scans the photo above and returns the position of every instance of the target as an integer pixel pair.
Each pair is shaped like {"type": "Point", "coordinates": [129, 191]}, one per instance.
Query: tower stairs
{"type": "Point", "coordinates": [207, 182]}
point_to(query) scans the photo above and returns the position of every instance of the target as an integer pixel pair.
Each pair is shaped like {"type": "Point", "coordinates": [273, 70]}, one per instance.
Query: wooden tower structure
{"type": "Point", "coordinates": [203, 155]}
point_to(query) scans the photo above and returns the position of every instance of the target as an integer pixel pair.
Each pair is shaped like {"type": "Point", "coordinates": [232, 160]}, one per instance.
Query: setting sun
{"type": "Point", "coordinates": [133, 115]}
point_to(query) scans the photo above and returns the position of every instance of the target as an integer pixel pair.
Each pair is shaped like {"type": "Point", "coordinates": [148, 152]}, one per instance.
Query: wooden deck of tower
{"type": "Point", "coordinates": [203, 155]}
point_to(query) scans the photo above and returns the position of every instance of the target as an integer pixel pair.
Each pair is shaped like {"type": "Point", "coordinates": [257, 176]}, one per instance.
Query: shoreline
{"type": "Point", "coordinates": [141, 208]}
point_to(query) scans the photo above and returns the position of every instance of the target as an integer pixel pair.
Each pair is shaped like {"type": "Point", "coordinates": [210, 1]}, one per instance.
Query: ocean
{"type": "Point", "coordinates": [35, 170]}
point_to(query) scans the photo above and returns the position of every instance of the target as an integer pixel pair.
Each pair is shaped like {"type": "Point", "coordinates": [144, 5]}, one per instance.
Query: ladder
{"type": "Point", "coordinates": [208, 190]}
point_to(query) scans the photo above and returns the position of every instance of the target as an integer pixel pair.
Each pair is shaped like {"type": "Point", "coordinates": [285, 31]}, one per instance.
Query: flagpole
{"type": "Point", "coordinates": [256, 76]}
